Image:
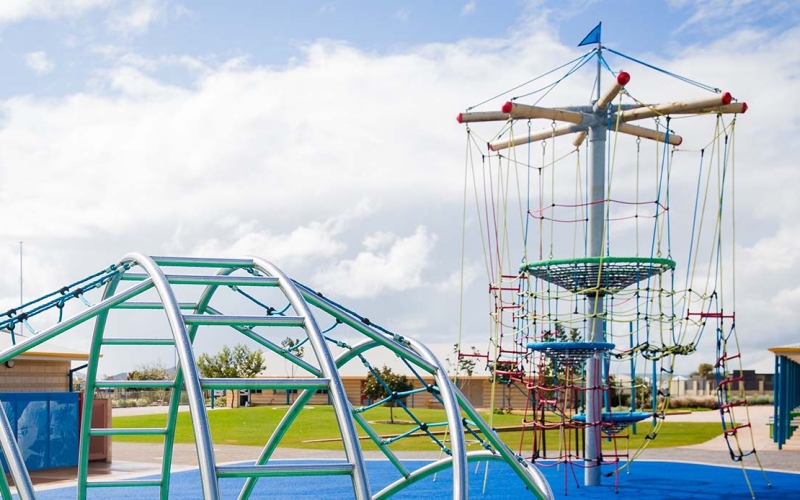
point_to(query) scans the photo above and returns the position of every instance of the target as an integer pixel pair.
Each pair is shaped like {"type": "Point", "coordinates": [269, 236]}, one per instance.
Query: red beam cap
{"type": "Point", "coordinates": [490, 147]}
{"type": "Point", "coordinates": [507, 107]}
{"type": "Point", "coordinates": [744, 107]}
{"type": "Point", "coordinates": [459, 118]}
{"type": "Point", "coordinates": [727, 98]}
{"type": "Point", "coordinates": [623, 78]}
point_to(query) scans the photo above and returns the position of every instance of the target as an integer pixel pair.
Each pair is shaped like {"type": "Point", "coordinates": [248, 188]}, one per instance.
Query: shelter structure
{"type": "Point", "coordinates": [786, 418]}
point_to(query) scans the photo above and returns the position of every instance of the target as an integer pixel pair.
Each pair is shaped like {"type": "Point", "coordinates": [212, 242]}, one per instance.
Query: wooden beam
{"type": "Point", "coordinates": [579, 138]}
{"type": "Point", "coordinates": [537, 136]}
{"type": "Point", "coordinates": [622, 79]}
{"type": "Point", "coordinates": [734, 108]}
{"type": "Point", "coordinates": [482, 116]}
{"type": "Point", "coordinates": [647, 133]}
{"type": "Point", "coordinates": [523, 111]}
{"type": "Point", "coordinates": [676, 107]}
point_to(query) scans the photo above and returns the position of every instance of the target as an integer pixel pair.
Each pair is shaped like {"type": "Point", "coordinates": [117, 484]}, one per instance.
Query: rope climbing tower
{"type": "Point", "coordinates": [264, 302]}
{"type": "Point", "coordinates": [593, 293]}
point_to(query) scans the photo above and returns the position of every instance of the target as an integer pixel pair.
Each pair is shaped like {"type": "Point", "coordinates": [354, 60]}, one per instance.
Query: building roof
{"type": "Point", "coordinates": [791, 351]}
{"type": "Point", "coordinates": [47, 351]}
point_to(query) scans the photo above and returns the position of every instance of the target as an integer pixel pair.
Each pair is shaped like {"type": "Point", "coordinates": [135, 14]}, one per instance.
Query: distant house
{"type": "Point", "coordinates": [45, 368]}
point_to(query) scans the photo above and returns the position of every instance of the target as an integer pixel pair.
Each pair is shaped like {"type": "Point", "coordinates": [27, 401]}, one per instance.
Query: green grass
{"type": "Point", "coordinates": [253, 426]}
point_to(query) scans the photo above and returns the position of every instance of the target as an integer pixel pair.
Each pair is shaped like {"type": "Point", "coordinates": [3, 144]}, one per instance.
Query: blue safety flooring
{"type": "Point", "coordinates": [646, 480]}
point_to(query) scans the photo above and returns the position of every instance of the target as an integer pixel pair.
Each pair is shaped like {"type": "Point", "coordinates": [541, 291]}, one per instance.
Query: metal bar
{"type": "Point", "coordinates": [191, 279]}
{"type": "Point", "coordinates": [356, 324]}
{"type": "Point", "coordinates": [525, 470]}
{"type": "Point", "coordinates": [134, 384]}
{"type": "Point", "coordinates": [118, 431]}
{"type": "Point", "coordinates": [274, 440]}
{"type": "Point", "coordinates": [16, 464]}
{"type": "Point", "coordinates": [201, 262]}
{"type": "Point", "coordinates": [435, 467]}
{"type": "Point", "coordinates": [457, 443]}
{"type": "Point", "coordinates": [264, 383]}
{"type": "Point", "coordinates": [130, 483]}
{"type": "Point", "coordinates": [247, 332]}
{"type": "Point", "coordinates": [45, 335]}
{"type": "Point", "coordinates": [597, 179]}
{"type": "Point", "coordinates": [362, 422]}
{"type": "Point", "coordinates": [230, 471]}
{"type": "Point", "coordinates": [142, 341]}
{"type": "Point", "coordinates": [209, 319]}
{"type": "Point", "coordinates": [183, 346]}
{"type": "Point", "coordinates": [336, 392]}
{"type": "Point", "coordinates": [152, 305]}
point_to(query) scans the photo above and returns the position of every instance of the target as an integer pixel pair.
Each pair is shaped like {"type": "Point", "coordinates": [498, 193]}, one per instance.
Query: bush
{"type": "Point", "coordinates": [700, 402]}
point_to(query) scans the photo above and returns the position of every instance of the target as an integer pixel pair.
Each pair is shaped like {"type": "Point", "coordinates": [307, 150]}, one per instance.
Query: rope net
{"type": "Point", "coordinates": [660, 286]}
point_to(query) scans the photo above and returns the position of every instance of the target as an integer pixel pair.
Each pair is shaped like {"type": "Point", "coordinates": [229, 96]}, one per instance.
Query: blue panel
{"type": "Point", "coordinates": [63, 431]}
{"type": "Point", "coordinates": [46, 427]}
{"type": "Point", "coordinates": [33, 429]}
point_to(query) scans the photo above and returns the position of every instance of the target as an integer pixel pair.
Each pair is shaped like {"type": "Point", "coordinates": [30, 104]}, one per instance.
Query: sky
{"type": "Point", "coordinates": [321, 136]}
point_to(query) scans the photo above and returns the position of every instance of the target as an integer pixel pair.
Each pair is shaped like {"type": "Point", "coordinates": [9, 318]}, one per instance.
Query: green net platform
{"type": "Point", "coordinates": [598, 275]}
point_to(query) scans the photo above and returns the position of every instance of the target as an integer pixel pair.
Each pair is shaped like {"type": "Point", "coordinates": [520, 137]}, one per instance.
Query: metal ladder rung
{"type": "Point", "coordinates": [118, 431]}
{"type": "Point", "coordinates": [134, 384]}
{"type": "Point", "coordinates": [131, 483]}
{"type": "Point", "coordinates": [265, 383]}
{"type": "Point", "coordinates": [191, 279]}
{"type": "Point", "coordinates": [229, 471]}
{"type": "Point", "coordinates": [153, 305]}
{"type": "Point", "coordinates": [219, 319]}
{"type": "Point", "coordinates": [201, 262]}
{"type": "Point", "coordinates": [132, 341]}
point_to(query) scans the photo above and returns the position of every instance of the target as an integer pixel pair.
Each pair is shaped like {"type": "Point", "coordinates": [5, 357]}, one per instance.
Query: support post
{"type": "Point", "coordinates": [597, 144]}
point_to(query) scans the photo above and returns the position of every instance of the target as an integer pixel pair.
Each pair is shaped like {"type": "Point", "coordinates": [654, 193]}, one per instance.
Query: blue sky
{"type": "Point", "coordinates": [76, 41]}
{"type": "Point", "coordinates": [320, 135]}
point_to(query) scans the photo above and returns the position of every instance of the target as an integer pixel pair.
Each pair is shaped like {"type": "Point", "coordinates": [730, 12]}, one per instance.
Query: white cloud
{"type": "Point", "coordinates": [39, 62]}
{"type": "Point", "coordinates": [137, 18]}
{"type": "Point", "coordinates": [369, 274]}
{"type": "Point", "coordinates": [469, 8]}
{"type": "Point", "coordinates": [316, 240]}
{"type": "Point", "coordinates": [726, 15]}
{"type": "Point", "coordinates": [12, 11]}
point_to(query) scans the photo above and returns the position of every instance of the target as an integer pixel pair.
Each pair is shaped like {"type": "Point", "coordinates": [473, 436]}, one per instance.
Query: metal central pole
{"type": "Point", "coordinates": [597, 208]}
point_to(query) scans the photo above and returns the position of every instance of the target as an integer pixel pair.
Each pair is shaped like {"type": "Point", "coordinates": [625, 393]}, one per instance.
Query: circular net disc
{"type": "Point", "coordinates": [616, 421]}
{"type": "Point", "coordinates": [597, 275]}
{"type": "Point", "coordinates": [570, 352]}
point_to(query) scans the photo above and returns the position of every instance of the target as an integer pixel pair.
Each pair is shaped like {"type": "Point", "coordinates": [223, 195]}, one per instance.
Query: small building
{"type": "Point", "coordinates": [786, 418]}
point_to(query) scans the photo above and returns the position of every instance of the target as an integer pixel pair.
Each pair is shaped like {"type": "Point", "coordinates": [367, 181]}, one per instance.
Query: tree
{"type": "Point", "coordinates": [704, 370]}
{"type": "Point", "coordinates": [153, 371]}
{"type": "Point", "coordinates": [239, 362]}
{"type": "Point", "coordinates": [397, 384]}
{"type": "Point", "coordinates": [291, 345]}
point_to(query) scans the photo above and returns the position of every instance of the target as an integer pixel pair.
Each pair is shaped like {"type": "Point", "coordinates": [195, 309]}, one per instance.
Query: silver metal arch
{"type": "Point", "coordinates": [336, 390]}
{"type": "Point", "coordinates": [183, 346]}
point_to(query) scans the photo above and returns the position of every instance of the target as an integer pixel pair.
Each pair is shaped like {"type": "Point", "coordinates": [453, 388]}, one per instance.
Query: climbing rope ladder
{"type": "Point", "coordinates": [587, 313]}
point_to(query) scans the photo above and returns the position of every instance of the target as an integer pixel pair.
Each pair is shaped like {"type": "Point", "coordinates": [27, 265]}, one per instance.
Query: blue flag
{"type": "Point", "coordinates": [592, 37]}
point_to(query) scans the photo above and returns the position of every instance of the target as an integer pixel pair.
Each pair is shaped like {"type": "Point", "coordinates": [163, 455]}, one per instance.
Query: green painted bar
{"type": "Point", "coordinates": [121, 341]}
{"type": "Point", "coordinates": [191, 279]}
{"type": "Point", "coordinates": [264, 383]}
{"type": "Point", "coordinates": [213, 319]}
{"type": "Point", "coordinates": [117, 431]}
{"type": "Point", "coordinates": [379, 443]}
{"type": "Point", "coordinates": [200, 262]}
{"type": "Point", "coordinates": [230, 471]}
{"type": "Point", "coordinates": [134, 384]}
{"type": "Point", "coordinates": [153, 305]}
{"type": "Point", "coordinates": [132, 483]}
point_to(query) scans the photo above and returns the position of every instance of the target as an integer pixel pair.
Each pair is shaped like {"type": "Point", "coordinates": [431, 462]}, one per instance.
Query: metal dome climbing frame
{"type": "Point", "coordinates": [148, 273]}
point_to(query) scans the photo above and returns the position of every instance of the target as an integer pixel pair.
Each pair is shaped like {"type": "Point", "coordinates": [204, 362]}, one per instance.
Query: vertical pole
{"type": "Point", "coordinates": [597, 167]}
{"type": "Point", "coordinates": [20, 274]}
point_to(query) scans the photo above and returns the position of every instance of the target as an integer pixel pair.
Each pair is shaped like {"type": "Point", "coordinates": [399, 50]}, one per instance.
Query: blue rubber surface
{"type": "Point", "coordinates": [650, 480]}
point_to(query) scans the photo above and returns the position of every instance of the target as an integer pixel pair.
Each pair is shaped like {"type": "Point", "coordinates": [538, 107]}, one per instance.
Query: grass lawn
{"type": "Point", "coordinates": [253, 426]}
